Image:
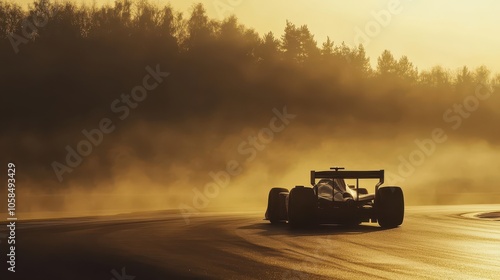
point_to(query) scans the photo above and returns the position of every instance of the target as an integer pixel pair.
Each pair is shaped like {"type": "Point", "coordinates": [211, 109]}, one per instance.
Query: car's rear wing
{"type": "Point", "coordinates": [342, 174]}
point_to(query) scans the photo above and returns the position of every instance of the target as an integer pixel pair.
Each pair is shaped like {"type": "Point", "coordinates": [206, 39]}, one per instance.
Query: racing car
{"type": "Point", "coordinates": [330, 200]}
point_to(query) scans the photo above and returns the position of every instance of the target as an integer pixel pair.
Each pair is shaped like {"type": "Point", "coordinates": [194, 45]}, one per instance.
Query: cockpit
{"type": "Point", "coordinates": [335, 189]}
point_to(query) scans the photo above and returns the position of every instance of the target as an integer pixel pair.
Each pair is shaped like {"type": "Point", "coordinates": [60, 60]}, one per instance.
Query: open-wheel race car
{"type": "Point", "coordinates": [330, 200]}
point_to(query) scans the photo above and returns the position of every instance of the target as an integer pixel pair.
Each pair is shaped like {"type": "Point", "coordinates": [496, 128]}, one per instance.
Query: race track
{"type": "Point", "coordinates": [437, 242]}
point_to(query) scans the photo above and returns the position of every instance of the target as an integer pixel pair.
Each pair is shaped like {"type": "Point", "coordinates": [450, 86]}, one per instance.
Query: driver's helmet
{"type": "Point", "coordinates": [333, 189]}
{"type": "Point", "coordinates": [324, 189]}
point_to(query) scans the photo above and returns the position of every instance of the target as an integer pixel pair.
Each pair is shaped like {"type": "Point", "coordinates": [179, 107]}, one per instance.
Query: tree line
{"type": "Point", "coordinates": [143, 28]}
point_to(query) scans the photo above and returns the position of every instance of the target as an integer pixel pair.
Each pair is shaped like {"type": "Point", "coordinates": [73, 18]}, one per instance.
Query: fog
{"type": "Point", "coordinates": [255, 110]}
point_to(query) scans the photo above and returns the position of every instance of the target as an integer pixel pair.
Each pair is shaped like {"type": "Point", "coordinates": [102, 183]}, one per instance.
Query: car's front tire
{"type": "Point", "coordinates": [390, 206]}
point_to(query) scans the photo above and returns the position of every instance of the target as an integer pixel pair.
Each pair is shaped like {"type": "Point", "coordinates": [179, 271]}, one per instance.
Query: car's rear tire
{"type": "Point", "coordinates": [390, 206]}
{"type": "Point", "coordinates": [301, 207]}
{"type": "Point", "coordinates": [276, 206]}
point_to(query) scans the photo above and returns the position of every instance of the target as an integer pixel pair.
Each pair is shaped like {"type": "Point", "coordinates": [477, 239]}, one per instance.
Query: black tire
{"type": "Point", "coordinates": [301, 207]}
{"type": "Point", "coordinates": [390, 206]}
{"type": "Point", "coordinates": [276, 207]}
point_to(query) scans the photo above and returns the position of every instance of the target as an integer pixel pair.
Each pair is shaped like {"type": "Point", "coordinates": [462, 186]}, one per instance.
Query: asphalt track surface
{"type": "Point", "coordinates": [438, 242]}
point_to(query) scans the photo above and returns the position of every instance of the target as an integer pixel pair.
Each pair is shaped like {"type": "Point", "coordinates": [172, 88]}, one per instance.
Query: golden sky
{"type": "Point", "coordinates": [446, 32]}
{"type": "Point", "coordinates": [450, 33]}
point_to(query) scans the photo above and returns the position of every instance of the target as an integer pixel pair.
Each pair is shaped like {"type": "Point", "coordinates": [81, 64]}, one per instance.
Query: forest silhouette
{"type": "Point", "coordinates": [61, 77]}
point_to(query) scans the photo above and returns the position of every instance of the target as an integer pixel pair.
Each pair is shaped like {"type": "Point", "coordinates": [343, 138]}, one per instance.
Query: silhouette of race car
{"type": "Point", "coordinates": [331, 201]}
